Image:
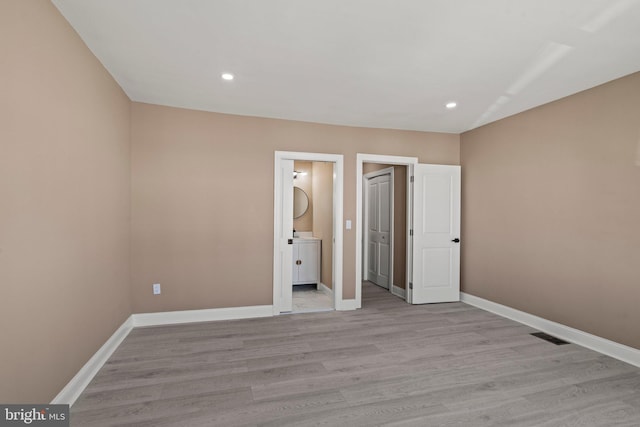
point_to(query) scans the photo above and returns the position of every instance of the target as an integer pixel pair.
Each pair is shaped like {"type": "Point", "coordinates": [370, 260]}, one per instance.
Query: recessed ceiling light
{"type": "Point", "coordinates": [451, 105]}
{"type": "Point", "coordinates": [227, 76]}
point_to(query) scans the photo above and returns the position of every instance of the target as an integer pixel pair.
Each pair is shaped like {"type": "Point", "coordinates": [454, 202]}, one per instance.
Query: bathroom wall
{"type": "Point", "coordinates": [322, 183]}
{"type": "Point", "coordinates": [305, 222]}
{"type": "Point", "coordinates": [399, 219]}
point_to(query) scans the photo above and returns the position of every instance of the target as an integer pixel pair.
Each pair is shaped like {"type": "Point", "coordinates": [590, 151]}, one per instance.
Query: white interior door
{"type": "Point", "coordinates": [379, 230]}
{"type": "Point", "coordinates": [284, 235]}
{"type": "Point", "coordinates": [371, 226]}
{"type": "Point", "coordinates": [436, 234]}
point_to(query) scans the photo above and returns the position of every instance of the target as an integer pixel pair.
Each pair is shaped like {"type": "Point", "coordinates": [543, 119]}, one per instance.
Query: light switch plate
{"type": "Point", "coordinates": [348, 225]}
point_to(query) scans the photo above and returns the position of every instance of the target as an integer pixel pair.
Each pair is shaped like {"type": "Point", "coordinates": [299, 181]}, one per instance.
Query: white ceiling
{"type": "Point", "coordinates": [373, 63]}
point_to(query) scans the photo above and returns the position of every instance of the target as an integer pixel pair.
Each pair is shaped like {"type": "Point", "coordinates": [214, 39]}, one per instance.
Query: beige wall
{"type": "Point", "coordinates": [305, 222]}
{"type": "Point", "coordinates": [64, 203]}
{"type": "Point", "coordinates": [551, 209]}
{"type": "Point", "coordinates": [208, 239]}
{"type": "Point", "coordinates": [322, 182]}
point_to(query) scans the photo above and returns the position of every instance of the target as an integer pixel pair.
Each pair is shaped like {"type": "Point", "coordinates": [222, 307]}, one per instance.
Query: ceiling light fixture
{"type": "Point", "coordinates": [296, 174]}
{"type": "Point", "coordinates": [451, 105]}
{"type": "Point", "coordinates": [227, 76]}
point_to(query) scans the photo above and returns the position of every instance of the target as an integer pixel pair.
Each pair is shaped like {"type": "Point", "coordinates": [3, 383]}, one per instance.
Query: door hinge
{"type": "Point", "coordinates": [411, 180]}
{"type": "Point", "coordinates": [411, 232]}
{"type": "Point", "coordinates": [410, 285]}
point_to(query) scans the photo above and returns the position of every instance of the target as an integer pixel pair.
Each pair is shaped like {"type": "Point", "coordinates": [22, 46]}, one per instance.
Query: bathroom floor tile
{"type": "Point", "coordinates": [309, 300]}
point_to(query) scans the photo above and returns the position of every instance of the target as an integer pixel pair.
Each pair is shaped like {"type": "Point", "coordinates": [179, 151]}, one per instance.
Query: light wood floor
{"type": "Point", "coordinates": [387, 364]}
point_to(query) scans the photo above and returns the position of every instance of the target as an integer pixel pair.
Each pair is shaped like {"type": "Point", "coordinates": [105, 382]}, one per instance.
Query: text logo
{"type": "Point", "coordinates": [34, 415]}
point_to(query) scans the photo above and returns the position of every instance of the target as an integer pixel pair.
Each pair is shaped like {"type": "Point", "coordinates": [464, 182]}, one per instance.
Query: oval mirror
{"type": "Point", "coordinates": [300, 202]}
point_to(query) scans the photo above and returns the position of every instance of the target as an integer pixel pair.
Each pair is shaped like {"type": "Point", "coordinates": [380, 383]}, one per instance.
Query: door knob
{"type": "Point", "coordinates": [456, 240]}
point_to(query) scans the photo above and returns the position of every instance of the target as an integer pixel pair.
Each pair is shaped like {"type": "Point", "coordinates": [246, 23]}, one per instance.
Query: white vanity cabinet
{"type": "Point", "coordinates": [306, 261]}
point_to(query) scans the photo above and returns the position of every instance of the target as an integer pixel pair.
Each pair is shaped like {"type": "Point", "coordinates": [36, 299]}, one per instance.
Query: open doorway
{"type": "Point", "coordinates": [384, 260]}
{"type": "Point", "coordinates": [367, 165]}
{"type": "Point", "coordinates": [298, 258]}
{"type": "Point", "coordinates": [312, 236]}
{"type": "Point", "coordinates": [432, 229]}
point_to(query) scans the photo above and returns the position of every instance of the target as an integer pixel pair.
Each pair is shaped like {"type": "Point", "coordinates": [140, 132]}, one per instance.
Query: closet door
{"type": "Point", "coordinates": [379, 230]}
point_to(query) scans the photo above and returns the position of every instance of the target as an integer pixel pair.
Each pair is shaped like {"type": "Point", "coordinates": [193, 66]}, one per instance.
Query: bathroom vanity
{"type": "Point", "coordinates": [306, 260]}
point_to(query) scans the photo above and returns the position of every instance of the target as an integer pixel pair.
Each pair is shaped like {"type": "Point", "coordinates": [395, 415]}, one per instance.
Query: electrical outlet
{"type": "Point", "coordinates": [156, 288]}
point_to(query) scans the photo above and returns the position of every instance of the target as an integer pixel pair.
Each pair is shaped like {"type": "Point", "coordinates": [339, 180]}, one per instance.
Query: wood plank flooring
{"type": "Point", "coordinates": [388, 364]}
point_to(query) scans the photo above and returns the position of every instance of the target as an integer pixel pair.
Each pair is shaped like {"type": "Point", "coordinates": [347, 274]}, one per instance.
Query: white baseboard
{"type": "Point", "coordinates": [602, 345]}
{"type": "Point", "coordinates": [346, 304]}
{"type": "Point", "coordinates": [341, 304]}
{"type": "Point", "coordinates": [325, 289]}
{"type": "Point", "coordinates": [399, 292]}
{"type": "Point", "coordinates": [206, 315]}
{"type": "Point", "coordinates": [81, 380]}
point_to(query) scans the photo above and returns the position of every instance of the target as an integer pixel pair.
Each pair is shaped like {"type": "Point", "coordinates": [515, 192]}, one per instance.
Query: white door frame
{"type": "Point", "coordinates": [338, 202]}
{"type": "Point", "coordinates": [390, 160]}
{"type": "Point", "coordinates": [365, 222]}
